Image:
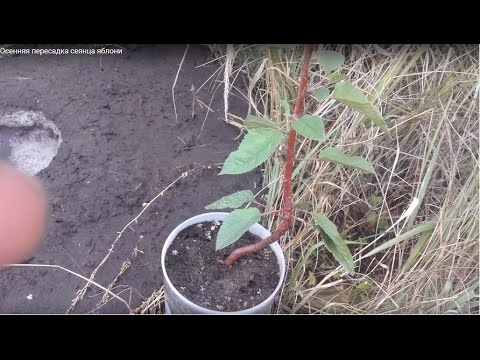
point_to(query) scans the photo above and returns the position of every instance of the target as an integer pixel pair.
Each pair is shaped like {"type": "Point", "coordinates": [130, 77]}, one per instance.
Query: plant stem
{"type": "Point", "coordinates": [287, 179]}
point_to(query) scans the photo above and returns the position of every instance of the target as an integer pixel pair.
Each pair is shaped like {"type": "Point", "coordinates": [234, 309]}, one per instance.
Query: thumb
{"type": "Point", "coordinates": [23, 213]}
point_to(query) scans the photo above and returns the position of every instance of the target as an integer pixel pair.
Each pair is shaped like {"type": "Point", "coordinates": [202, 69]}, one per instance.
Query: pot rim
{"type": "Point", "coordinates": [275, 246]}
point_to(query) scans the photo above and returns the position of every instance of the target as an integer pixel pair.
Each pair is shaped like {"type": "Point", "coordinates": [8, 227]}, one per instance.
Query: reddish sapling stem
{"type": "Point", "coordinates": [287, 178]}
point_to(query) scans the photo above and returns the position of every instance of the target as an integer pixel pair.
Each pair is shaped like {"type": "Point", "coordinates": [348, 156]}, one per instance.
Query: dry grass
{"type": "Point", "coordinates": [426, 261]}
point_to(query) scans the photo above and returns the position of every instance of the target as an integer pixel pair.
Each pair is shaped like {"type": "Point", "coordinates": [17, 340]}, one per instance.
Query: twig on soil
{"type": "Point", "coordinates": [154, 300]}
{"type": "Point", "coordinates": [196, 147]}
{"type": "Point", "coordinates": [71, 258]}
{"type": "Point", "coordinates": [89, 281]}
{"type": "Point", "coordinates": [206, 114]}
{"type": "Point", "coordinates": [194, 98]}
{"type": "Point", "coordinates": [183, 141]}
{"type": "Point", "coordinates": [175, 81]}
{"type": "Point", "coordinates": [125, 266]}
{"type": "Point", "coordinates": [126, 289]}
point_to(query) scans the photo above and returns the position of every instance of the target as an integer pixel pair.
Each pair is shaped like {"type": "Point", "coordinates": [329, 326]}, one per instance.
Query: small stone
{"type": "Point", "coordinates": [245, 304]}
{"type": "Point", "coordinates": [251, 298]}
{"type": "Point", "coordinates": [220, 307]}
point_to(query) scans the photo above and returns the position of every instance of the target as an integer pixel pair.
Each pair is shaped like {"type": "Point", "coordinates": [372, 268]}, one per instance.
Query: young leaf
{"type": "Point", "coordinates": [375, 200]}
{"type": "Point", "coordinates": [321, 94]}
{"type": "Point", "coordinates": [336, 77]}
{"type": "Point", "coordinates": [235, 225]}
{"type": "Point", "coordinates": [336, 156]}
{"type": "Point", "coordinates": [350, 95]}
{"type": "Point", "coordinates": [286, 106]}
{"type": "Point", "coordinates": [310, 126]}
{"type": "Point", "coordinates": [255, 148]}
{"type": "Point", "coordinates": [363, 286]}
{"type": "Point", "coordinates": [330, 60]}
{"type": "Point", "coordinates": [257, 122]}
{"type": "Point", "coordinates": [372, 217]}
{"type": "Point", "coordinates": [334, 242]}
{"type": "Point", "coordinates": [232, 201]}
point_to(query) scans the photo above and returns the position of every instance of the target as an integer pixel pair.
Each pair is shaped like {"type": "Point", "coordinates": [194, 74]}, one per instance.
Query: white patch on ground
{"type": "Point", "coordinates": [34, 140]}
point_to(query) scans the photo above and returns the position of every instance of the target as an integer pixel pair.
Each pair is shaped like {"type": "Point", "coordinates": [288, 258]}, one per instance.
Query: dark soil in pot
{"type": "Point", "coordinates": [193, 267]}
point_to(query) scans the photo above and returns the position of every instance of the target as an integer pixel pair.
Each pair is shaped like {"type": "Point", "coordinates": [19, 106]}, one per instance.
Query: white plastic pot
{"type": "Point", "coordinates": [176, 303]}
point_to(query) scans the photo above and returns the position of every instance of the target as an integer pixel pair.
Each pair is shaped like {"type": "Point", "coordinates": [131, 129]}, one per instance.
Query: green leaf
{"type": "Point", "coordinates": [334, 242]}
{"type": "Point", "coordinates": [255, 148]}
{"type": "Point", "coordinates": [427, 226]}
{"type": "Point", "coordinates": [235, 225]}
{"type": "Point", "coordinates": [321, 94]}
{"type": "Point", "coordinates": [465, 296]}
{"type": "Point", "coordinates": [286, 106]}
{"type": "Point", "coordinates": [382, 224]}
{"type": "Point", "coordinates": [330, 60]}
{"type": "Point", "coordinates": [375, 200]}
{"type": "Point", "coordinates": [336, 156]}
{"type": "Point", "coordinates": [372, 217]}
{"type": "Point", "coordinates": [417, 249]}
{"type": "Point", "coordinates": [351, 96]}
{"type": "Point", "coordinates": [336, 275]}
{"type": "Point", "coordinates": [336, 77]}
{"type": "Point", "coordinates": [310, 126]}
{"type": "Point", "coordinates": [363, 286]}
{"type": "Point", "coordinates": [257, 122]}
{"type": "Point", "coordinates": [232, 201]}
